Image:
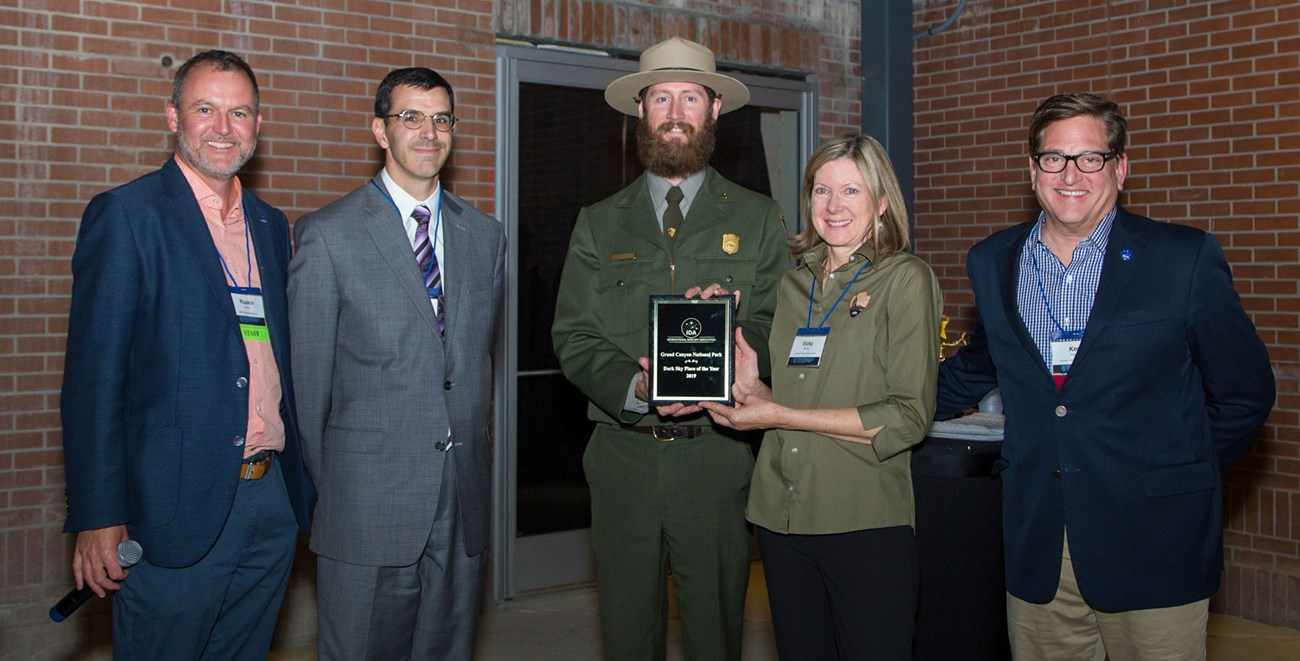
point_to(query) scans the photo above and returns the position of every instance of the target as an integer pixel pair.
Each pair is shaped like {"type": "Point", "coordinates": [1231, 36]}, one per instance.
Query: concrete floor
{"type": "Point", "coordinates": [565, 626]}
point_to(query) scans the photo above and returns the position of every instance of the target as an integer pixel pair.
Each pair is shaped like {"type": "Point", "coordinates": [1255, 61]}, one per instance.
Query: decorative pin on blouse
{"type": "Point", "coordinates": [859, 303]}
{"type": "Point", "coordinates": [1126, 255]}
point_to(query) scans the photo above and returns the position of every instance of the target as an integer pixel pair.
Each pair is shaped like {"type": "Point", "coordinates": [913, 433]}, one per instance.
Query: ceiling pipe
{"type": "Point", "coordinates": [961, 6]}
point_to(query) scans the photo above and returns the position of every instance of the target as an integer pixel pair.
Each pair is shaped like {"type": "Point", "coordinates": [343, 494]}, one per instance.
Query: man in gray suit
{"type": "Point", "coordinates": [393, 302]}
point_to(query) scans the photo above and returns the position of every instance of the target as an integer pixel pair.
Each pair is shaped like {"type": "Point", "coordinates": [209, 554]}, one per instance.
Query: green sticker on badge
{"type": "Point", "coordinates": [255, 333]}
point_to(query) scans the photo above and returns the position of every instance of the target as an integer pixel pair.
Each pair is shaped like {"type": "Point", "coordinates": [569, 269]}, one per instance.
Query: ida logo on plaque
{"type": "Point", "coordinates": [692, 349]}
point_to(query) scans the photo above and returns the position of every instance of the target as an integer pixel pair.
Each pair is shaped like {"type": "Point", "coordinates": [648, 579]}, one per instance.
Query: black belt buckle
{"type": "Point", "coordinates": [258, 458]}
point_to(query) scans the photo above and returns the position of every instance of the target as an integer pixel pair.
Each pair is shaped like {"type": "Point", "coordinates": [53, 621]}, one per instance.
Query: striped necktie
{"type": "Point", "coordinates": [429, 262]}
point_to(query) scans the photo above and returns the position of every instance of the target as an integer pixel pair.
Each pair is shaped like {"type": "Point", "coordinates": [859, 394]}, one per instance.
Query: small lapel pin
{"type": "Point", "coordinates": [1126, 255]}
{"type": "Point", "coordinates": [859, 303]}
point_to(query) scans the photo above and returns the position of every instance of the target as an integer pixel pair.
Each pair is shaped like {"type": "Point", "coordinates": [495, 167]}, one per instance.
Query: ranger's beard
{"type": "Point", "coordinates": [672, 159]}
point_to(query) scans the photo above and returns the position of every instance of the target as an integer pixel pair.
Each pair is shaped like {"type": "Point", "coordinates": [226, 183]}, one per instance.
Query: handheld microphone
{"type": "Point", "coordinates": [128, 554]}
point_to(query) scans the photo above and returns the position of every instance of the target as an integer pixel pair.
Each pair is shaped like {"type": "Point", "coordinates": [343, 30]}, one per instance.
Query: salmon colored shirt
{"type": "Point", "coordinates": [265, 428]}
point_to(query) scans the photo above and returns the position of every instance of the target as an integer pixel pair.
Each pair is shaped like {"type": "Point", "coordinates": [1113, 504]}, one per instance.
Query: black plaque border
{"type": "Point", "coordinates": [728, 346]}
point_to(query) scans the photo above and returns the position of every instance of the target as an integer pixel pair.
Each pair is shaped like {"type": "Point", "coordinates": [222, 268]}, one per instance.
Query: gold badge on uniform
{"type": "Point", "coordinates": [730, 243]}
{"type": "Point", "coordinates": [859, 303]}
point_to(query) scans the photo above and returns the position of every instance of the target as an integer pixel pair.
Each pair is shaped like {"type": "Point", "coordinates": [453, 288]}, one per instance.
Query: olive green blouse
{"type": "Point", "coordinates": [884, 361]}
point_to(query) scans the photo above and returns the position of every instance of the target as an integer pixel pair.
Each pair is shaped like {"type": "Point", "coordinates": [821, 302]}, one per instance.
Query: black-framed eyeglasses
{"type": "Point", "coordinates": [1088, 162]}
{"type": "Point", "coordinates": [414, 119]}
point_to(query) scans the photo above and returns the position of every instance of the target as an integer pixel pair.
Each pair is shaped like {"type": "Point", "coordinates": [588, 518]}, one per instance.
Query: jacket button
{"type": "Point", "coordinates": [440, 446]}
{"type": "Point", "coordinates": [237, 441]}
{"type": "Point", "coordinates": [728, 279]}
{"type": "Point", "coordinates": [1056, 473]}
{"type": "Point", "coordinates": [446, 385]}
{"type": "Point", "coordinates": [241, 382]}
{"type": "Point", "coordinates": [619, 283]}
{"type": "Point", "coordinates": [1061, 411]}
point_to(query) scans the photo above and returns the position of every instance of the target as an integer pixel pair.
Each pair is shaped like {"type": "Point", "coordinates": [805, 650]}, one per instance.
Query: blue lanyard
{"type": "Point", "coordinates": [1042, 291]}
{"type": "Point", "coordinates": [247, 250]}
{"type": "Point", "coordinates": [436, 223]}
{"type": "Point", "coordinates": [813, 291]}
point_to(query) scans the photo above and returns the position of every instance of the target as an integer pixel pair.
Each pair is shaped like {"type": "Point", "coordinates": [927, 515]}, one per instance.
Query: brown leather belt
{"type": "Point", "coordinates": [671, 432]}
{"type": "Point", "coordinates": [256, 466]}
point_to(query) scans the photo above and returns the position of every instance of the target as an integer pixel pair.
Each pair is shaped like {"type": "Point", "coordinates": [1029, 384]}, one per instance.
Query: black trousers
{"type": "Point", "coordinates": [962, 609]}
{"type": "Point", "coordinates": [842, 596]}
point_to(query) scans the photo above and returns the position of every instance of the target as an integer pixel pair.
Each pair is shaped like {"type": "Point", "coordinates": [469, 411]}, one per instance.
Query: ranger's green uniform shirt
{"type": "Point", "coordinates": [884, 361]}
{"type": "Point", "coordinates": [680, 501]}
{"type": "Point", "coordinates": [618, 258]}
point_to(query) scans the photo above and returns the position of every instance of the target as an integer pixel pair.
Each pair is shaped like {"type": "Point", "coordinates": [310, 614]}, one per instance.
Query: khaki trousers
{"type": "Point", "coordinates": [1068, 629]}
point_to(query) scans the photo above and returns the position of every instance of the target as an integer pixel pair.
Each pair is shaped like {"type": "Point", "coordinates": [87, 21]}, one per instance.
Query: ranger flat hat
{"type": "Point", "coordinates": [676, 60]}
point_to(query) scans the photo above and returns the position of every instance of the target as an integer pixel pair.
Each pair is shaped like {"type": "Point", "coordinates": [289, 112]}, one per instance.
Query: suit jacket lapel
{"type": "Point", "coordinates": [639, 214]}
{"type": "Point", "coordinates": [709, 206]}
{"type": "Point", "coordinates": [389, 234]}
{"type": "Point", "coordinates": [1007, 264]}
{"type": "Point", "coordinates": [193, 230]}
{"type": "Point", "coordinates": [1116, 272]}
{"type": "Point", "coordinates": [459, 253]}
{"type": "Point", "coordinates": [268, 268]}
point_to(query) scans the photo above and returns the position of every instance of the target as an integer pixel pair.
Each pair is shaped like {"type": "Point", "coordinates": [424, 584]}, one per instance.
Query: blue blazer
{"type": "Point", "coordinates": [1167, 390]}
{"type": "Point", "coordinates": [153, 411]}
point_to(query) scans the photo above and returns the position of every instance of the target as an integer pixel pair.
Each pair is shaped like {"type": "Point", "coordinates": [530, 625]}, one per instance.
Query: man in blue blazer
{"type": "Point", "coordinates": [178, 412]}
{"type": "Point", "coordinates": [1131, 379]}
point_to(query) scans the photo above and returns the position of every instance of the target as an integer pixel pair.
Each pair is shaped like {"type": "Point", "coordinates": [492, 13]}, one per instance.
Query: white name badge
{"type": "Point", "coordinates": [809, 343]}
{"type": "Point", "coordinates": [248, 305]}
{"type": "Point", "coordinates": [251, 311]}
{"type": "Point", "coordinates": [1063, 352]}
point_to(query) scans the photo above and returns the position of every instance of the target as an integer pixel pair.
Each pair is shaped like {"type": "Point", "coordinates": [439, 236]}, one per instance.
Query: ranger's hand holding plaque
{"type": "Point", "coordinates": [692, 348]}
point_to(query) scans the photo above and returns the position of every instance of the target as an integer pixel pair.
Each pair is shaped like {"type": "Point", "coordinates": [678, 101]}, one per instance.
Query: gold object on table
{"type": "Point", "coordinates": [943, 338]}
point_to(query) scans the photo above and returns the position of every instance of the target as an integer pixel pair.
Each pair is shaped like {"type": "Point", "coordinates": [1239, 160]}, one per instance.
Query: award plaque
{"type": "Point", "coordinates": [692, 349]}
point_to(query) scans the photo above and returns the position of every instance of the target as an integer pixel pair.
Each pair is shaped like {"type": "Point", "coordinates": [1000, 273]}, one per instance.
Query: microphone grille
{"type": "Point", "coordinates": [129, 552]}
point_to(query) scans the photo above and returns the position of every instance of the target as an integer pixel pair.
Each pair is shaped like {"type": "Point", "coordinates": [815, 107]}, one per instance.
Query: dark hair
{"type": "Point", "coordinates": [1068, 106]}
{"type": "Point", "coordinates": [889, 235]}
{"type": "Point", "coordinates": [421, 78]}
{"type": "Point", "coordinates": [219, 60]}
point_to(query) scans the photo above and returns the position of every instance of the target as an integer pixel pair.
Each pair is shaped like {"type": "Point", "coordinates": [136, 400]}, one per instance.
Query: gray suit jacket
{"type": "Point", "coordinates": [378, 387]}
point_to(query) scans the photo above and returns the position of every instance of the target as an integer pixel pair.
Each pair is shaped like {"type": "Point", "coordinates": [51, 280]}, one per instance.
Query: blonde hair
{"type": "Point", "coordinates": [888, 236]}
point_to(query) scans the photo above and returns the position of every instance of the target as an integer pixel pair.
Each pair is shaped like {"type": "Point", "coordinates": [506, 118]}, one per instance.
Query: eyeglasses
{"type": "Point", "coordinates": [1052, 162]}
{"type": "Point", "coordinates": [414, 119]}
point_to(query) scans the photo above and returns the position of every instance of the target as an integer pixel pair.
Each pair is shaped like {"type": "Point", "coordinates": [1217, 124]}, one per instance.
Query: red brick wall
{"type": "Point", "coordinates": [795, 35]}
{"type": "Point", "coordinates": [1212, 93]}
{"type": "Point", "coordinates": [82, 91]}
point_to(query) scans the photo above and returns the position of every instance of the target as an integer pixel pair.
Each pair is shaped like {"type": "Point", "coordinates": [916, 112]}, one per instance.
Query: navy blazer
{"type": "Point", "coordinates": [154, 413]}
{"type": "Point", "coordinates": [1167, 390]}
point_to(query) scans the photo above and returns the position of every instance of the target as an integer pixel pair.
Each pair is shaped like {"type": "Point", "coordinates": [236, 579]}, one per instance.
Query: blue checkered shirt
{"type": "Point", "coordinates": [1054, 298]}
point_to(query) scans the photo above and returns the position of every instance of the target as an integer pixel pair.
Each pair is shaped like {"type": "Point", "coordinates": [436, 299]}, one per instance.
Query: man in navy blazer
{"type": "Point", "coordinates": [1131, 379]}
{"type": "Point", "coordinates": [178, 412]}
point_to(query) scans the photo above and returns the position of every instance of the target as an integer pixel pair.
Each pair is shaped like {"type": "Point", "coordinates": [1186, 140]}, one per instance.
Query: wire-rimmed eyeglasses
{"type": "Point", "coordinates": [414, 119]}
{"type": "Point", "coordinates": [1088, 162]}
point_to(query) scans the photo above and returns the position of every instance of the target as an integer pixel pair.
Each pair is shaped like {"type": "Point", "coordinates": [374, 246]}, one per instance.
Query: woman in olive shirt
{"type": "Point", "coordinates": [855, 347]}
